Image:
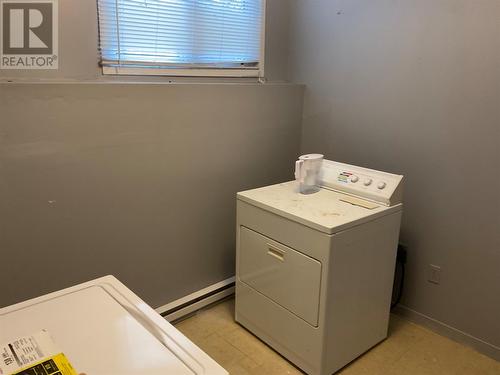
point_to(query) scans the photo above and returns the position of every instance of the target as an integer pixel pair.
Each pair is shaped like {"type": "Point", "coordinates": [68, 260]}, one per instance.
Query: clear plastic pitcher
{"type": "Point", "coordinates": [307, 172]}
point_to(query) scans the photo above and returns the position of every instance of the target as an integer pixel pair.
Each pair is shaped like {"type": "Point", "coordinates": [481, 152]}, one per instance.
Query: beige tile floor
{"type": "Point", "coordinates": [409, 349]}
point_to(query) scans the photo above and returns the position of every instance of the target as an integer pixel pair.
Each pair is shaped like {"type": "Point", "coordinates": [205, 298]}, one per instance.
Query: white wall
{"type": "Point", "coordinates": [413, 87]}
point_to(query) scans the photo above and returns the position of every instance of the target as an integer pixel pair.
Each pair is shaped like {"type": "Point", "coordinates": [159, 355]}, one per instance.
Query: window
{"type": "Point", "coordinates": [182, 37]}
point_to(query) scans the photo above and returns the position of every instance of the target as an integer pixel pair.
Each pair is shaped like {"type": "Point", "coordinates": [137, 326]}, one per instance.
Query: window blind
{"type": "Point", "coordinates": [180, 33]}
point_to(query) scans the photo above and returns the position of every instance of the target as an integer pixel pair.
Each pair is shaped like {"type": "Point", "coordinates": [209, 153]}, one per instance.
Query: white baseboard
{"type": "Point", "coordinates": [444, 329]}
{"type": "Point", "coordinates": [197, 300]}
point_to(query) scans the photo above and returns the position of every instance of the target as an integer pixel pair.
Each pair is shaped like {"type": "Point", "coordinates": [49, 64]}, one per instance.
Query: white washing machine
{"type": "Point", "coordinates": [314, 272]}
{"type": "Point", "coordinates": [102, 328]}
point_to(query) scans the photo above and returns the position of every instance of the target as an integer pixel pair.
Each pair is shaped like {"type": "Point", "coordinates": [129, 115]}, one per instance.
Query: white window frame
{"type": "Point", "coordinates": [257, 72]}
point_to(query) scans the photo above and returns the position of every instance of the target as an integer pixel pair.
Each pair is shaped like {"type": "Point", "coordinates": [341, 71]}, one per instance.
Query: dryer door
{"type": "Point", "coordinates": [281, 273]}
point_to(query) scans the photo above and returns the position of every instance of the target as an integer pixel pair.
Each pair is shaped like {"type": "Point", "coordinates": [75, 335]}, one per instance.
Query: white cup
{"type": "Point", "coordinates": [307, 172]}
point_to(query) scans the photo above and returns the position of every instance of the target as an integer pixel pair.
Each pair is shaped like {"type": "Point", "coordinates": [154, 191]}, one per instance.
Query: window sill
{"type": "Point", "coordinates": [154, 81]}
{"type": "Point", "coordinates": [152, 72]}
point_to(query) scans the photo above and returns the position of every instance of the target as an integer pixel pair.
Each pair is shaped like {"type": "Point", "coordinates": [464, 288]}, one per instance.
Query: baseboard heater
{"type": "Point", "coordinates": [195, 301]}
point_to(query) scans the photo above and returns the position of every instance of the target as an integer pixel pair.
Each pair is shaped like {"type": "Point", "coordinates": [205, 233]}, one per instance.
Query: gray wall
{"type": "Point", "coordinates": [413, 87]}
{"type": "Point", "coordinates": [135, 180]}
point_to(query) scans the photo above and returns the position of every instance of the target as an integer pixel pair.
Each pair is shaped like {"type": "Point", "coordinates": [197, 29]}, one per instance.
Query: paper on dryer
{"type": "Point", "coordinates": [36, 354]}
{"type": "Point", "coordinates": [359, 202]}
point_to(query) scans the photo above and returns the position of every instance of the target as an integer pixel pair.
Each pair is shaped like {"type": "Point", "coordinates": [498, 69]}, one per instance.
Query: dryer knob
{"type": "Point", "coordinates": [367, 182]}
{"type": "Point", "coordinates": [381, 185]}
{"type": "Point", "coordinates": [354, 178]}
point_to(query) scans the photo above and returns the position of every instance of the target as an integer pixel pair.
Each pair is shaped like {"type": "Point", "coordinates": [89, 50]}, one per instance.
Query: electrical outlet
{"type": "Point", "coordinates": [434, 274]}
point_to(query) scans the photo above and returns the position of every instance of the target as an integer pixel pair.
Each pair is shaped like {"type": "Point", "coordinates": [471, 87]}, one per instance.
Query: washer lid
{"type": "Point", "coordinates": [327, 211]}
{"type": "Point", "coordinates": [102, 331]}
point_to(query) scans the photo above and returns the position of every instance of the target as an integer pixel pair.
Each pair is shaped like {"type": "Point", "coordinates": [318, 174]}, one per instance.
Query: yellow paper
{"type": "Point", "coordinates": [57, 365]}
{"type": "Point", "coordinates": [35, 354]}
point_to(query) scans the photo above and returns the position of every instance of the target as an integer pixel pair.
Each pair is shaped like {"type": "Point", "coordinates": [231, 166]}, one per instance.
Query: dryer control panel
{"type": "Point", "coordinates": [381, 187]}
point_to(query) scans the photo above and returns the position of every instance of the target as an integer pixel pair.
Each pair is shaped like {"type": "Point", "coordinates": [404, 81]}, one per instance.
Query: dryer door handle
{"type": "Point", "coordinates": [275, 252]}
